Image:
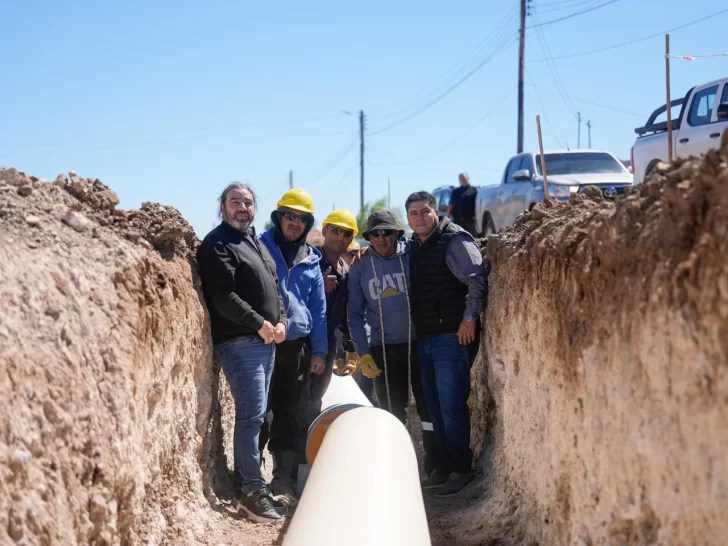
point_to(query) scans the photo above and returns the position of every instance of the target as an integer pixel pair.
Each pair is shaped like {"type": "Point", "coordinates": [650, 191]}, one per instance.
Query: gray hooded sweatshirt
{"type": "Point", "coordinates": [392, 275]}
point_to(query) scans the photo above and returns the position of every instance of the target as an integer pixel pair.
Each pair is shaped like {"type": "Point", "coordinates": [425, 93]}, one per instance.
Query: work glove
{"type": "Point", "coordinates": [348, 366]}
{"type": "Point", "coordinates": [369, 367]}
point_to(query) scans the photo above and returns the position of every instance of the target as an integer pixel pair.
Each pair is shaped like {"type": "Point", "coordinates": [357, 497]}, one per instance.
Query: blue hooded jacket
{"type": "Point", "coordinates": [302, 290]}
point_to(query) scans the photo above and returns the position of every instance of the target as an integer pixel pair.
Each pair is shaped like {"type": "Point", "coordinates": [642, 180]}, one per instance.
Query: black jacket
{"type": "Point", "coordinates": [336, 316]}
{"type": "Point", "coordinates": [438, 296]}
{"type": "Point", "coordinates": [239, 283]}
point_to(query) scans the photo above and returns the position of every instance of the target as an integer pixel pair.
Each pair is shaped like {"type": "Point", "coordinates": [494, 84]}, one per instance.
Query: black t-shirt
{"type": "Point", "coordinates": [463, 203]}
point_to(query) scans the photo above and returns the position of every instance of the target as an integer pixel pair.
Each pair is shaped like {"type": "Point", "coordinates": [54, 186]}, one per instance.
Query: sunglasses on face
{"type": "Point", "coordinates": [292, 216]}
{"type": "Point", "coordinates": [340, 231]}
{"type": "Point", "coordinates": [381, 233]}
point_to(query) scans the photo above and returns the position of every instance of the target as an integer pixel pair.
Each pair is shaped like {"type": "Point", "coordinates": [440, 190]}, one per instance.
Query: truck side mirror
{"type": "Point", "coordinates": [722, 112]}
{"type": "Point", "coordinates": [522, 176]}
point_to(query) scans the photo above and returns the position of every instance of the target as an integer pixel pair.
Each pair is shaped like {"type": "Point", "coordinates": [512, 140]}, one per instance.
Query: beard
{"type": "Point", "coordinates": [242, 222]}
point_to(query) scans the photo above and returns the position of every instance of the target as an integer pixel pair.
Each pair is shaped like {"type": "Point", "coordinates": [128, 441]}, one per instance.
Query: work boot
{"type": "Point", "coordinates": [454, 485]}
{"type": "Point", "coordinates": [434, 480]}
{"type": "Point", "coordinates": [283, 483]}
{"type": "Point", "coordinates": [258, 506]}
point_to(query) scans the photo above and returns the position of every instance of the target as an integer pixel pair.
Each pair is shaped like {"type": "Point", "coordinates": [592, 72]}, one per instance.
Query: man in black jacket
{"type": "Point", "coordinates": [247, 318]}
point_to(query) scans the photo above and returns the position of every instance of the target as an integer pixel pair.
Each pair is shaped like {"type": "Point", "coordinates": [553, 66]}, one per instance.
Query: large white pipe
{"type": "Point", "coordinates": [364, 487]}
{"type": "Point", "coordinates": [342, 395]}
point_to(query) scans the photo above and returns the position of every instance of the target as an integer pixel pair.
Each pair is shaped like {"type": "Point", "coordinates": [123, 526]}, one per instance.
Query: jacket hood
{"type": "Point", "coordinates": [277, 223]}
{"type": "Point", "coordinates": [313, 256]}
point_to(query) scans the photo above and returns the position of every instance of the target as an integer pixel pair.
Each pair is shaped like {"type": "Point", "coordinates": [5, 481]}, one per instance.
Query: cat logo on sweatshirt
{"type": "Point", "coordinates": [391, 285]}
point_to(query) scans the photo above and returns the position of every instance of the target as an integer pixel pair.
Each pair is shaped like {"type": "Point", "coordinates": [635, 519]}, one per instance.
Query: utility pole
{"type": "Point", "coordinates": [389, 194]}
{"type": "Point", "coordinates": [588, 125]}
{"type": "Point", "coordinates": [578, 131]}
{"type": "Point", "coordinates": [669, 100]}
{"type": "Point", "coordinates": [290, 180]}
{"type": "Point", "coordinates": [521, 69]}
{"type": "Point", "coordinates": [361, 158]}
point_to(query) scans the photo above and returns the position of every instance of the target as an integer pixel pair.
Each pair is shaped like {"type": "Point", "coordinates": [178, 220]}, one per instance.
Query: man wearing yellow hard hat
{"type": "Point", "coordinates": [302, 355]}
{"type": "Point", "coordinates": [339, 229]}
{"type": "Point", "coordinates": [351, 252]}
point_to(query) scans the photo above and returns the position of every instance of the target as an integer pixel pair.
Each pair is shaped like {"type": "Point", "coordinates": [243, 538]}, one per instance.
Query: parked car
{"type": "Point", "coordinates": [697, 128]}
{"type": "Point", "coordinates": [443, 194]}
{"type": "Point", "coordinates": [568, 172]}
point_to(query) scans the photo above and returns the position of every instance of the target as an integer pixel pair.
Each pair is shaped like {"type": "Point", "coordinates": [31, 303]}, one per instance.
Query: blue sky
{"type": "Point", "coordinates": [168, 101]}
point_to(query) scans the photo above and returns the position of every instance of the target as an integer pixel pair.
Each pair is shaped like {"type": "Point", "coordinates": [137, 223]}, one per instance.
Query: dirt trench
{"type": "Point", "coordinates": [600, 400]}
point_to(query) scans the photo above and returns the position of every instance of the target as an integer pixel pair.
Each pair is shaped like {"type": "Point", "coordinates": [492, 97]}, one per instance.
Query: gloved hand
{"type": "Point", "coordinates": [369, 367]}
{"type": "Point", "coordinates": [348, 366]}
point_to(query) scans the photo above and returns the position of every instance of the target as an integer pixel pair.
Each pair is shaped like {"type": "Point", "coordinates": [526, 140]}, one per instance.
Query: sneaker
{"type": "Point", "coordinates": [454, 485]}
{"type": "Point", "coordinates": [258, 506]}
{"type": "Point", "coordinates": [436, 479]}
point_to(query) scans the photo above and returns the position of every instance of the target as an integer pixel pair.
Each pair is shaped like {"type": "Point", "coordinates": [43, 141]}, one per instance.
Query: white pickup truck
{"type": "Point", "coordinates": [703, 118]}
{"type": "Point", "coordinates": [568, 172]}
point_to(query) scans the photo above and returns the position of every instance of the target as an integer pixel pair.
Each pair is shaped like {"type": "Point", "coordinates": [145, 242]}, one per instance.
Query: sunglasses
{"type": "Point", "coordinates": [381, 233]}
{"type": "Point", "coordinates": [340, 231]}
{"type": "Point", "coordinates": [292, 216]}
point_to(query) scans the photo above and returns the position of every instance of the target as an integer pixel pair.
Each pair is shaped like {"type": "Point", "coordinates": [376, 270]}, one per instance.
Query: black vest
{"type": "Point", "coordinates": [438, 297]}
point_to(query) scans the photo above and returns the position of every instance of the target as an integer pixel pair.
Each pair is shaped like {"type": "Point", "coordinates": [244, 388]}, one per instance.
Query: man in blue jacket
{"type": "Point", "coordinates": [304, 350]}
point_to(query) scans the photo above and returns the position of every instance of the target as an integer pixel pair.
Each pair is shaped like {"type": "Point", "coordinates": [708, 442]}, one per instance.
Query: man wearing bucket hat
{"type": "Point", "coordinates": [304, 350]}
{"type": "Point", "coordinates": [338, 229]}
{"type": "Point", "coordinates": [379, 295]}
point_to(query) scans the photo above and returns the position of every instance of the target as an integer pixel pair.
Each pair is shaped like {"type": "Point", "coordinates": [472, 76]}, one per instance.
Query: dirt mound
{"type": "Point", "coordinates": [108, 395]}
{"type": "Point", "coordinates": [603, 392]}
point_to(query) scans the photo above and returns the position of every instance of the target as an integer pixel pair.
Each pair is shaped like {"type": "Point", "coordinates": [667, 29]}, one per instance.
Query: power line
{"type": "Point", "coordinates": [452, 142]}
{"type": "Point", "coordinates": [577, 14]}
{"type": "Point", "coordinates": [637, 40]}
{"type": "Point", "coordinates": [561, 88]}
{"type": "Point", "coordinates": [543, 110]}
{"type": "Point", "coordinates": [449, 90]}
{"type": "Point", "coordinates": [335, 163]}
{"type": "Point", "coordinates": [473, 58]}
{"type": "Point", "coordinates": [550, 8]}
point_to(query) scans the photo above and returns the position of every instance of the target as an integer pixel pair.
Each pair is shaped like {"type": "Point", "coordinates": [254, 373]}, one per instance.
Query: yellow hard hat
{"type": "Point", "coordinates": [342, 218]}
{"type": "Point", "coordinates": [353, 246]}
{"type": "Point", "coordinates": [297, 199]}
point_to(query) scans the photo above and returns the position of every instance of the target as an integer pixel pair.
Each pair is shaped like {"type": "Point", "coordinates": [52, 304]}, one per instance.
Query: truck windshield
{"type": "Point", "coordinates": [579, 163]}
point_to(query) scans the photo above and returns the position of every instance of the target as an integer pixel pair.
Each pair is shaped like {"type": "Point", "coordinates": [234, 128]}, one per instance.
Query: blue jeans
{"type": "Point", "coordinates": [248, 365]}
{"type": "Point", "coordinates": [445, 366]}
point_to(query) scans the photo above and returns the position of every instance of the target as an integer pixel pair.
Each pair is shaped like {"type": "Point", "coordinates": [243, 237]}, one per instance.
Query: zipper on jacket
{"type": "Point", "coordinates": [288, 276]}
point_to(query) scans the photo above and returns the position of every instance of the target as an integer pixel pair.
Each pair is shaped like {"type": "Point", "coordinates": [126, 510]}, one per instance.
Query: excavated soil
{"type": "Point", "coordinates": [601, 399]}
{"type": "Point", "coordinates": [110, 429]}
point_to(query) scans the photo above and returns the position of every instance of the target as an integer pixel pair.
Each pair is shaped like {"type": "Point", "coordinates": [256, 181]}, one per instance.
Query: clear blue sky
{"type": "Point", "coordinates": [168, 101]}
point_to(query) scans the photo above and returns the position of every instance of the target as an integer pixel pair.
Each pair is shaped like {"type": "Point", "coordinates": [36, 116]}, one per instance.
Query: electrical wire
{"type": "Point", "coordinates": [560, 86]}
{"type": "Point", "coordinates": [334, 164]}
{"type": "Point", "coordinates": [543, 110]}
{"type": "Point", "coordinates": [452, 142]}
{"type": "Point", "coordinates": [385, 117]}
{"type": "Point", "coordinates": [505, 42]}
{"type": "Point", "coordinates": [571, 16]}
{"type": "Point", "coordinates": [635, 41]}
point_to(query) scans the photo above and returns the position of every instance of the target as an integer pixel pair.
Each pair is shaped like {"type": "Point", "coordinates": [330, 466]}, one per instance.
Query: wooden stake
{"type": "Point", "coordinates": [543, 159]}
{"type": "Point", "coordinates": [667, 87]}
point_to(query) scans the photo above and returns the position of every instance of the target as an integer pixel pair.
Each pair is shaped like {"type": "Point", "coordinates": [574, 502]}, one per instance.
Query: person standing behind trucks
{"type": "Point", "coordinates": [247, 316]}
{"type": "Point", "coordinates": [303, 352]}
{"type": "Point", "coordinates": [379, 295]}
{"type": "Point", "coordinates": [462, 205]}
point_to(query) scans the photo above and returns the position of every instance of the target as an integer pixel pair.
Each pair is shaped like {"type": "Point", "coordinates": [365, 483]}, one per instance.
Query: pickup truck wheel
{"type": "Point", "coordinates": [651, 167]}
{"type": "Point", "coordinates": [488, 227]}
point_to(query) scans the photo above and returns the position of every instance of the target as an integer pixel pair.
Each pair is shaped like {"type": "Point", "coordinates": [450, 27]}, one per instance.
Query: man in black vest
{"type": "Point", "coordinates": [449, 291]}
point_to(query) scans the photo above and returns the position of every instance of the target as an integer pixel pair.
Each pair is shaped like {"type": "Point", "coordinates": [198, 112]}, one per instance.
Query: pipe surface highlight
{"type": "Point", "coordinates": [364, 488]}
